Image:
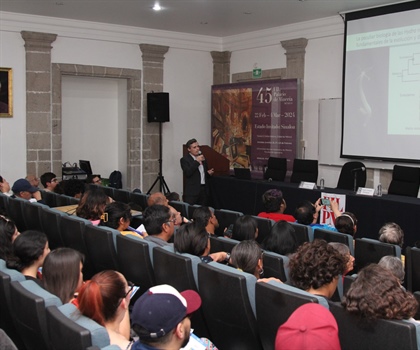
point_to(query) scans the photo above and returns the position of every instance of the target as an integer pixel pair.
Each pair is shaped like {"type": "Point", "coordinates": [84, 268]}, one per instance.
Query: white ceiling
{"type": "Point", "coordinates": [219, 18]}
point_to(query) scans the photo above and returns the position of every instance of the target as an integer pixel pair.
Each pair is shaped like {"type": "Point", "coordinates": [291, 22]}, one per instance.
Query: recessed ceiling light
{"type": "Point", "coordinates": [247, 13]}
{"type": "Point", "coordinates": [204, 22]}
{"type": "Point", "coordinates": [157, 7]}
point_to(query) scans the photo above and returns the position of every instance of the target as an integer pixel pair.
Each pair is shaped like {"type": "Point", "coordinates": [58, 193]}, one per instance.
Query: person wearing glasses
{"type": "Point", "coordinates": [159, 223]}
{"type": "Point", "coordinates": [105, 299]}
{"type": "Point", "coordinates": [94, 179]}
{"type": "Point", "coordinates": [49, 181]}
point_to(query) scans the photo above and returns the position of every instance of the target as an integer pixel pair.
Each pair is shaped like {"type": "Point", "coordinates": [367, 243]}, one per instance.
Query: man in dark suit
{"type": "Point", "coordinates": [194, 167]}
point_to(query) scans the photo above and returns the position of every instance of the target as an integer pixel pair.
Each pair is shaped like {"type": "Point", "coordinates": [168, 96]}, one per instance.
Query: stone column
{"type": "Point", "coordinates": [295, 53]}
{"type": "Point", "coordinates": [38, 102]}
{"type": "Point", "coordinates": [153, 56]}
{"type": "Point", "coordinates": [221, 67]}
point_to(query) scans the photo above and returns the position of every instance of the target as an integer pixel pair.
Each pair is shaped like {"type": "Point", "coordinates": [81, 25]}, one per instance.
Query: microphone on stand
{"type": "Point", "coordinates": [362, 168]}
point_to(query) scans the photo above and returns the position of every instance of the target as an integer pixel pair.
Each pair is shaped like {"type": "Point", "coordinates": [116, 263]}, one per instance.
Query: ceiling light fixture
{"type": "Point", "coordinates": [157, 7]}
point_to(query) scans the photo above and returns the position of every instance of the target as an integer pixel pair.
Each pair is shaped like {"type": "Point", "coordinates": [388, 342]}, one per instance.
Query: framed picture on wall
{"type": "Point", "coordinates": [6, 92]}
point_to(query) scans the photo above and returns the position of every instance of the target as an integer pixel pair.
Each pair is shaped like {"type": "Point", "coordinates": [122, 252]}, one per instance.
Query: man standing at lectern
{"type": "Point", "coordinates": [194, 167]}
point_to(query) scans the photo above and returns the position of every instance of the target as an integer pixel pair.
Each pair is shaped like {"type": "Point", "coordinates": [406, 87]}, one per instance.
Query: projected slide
{"type": "Point", "coordinates": [382, 86]}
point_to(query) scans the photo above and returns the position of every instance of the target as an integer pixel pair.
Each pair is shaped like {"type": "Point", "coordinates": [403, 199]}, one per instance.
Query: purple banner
{"type": "Point", "coordinates": [255, 120]}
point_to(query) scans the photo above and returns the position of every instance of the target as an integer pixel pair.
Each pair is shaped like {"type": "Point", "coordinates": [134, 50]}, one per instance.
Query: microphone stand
{"type": "Point", "coordinates": [355, 182]}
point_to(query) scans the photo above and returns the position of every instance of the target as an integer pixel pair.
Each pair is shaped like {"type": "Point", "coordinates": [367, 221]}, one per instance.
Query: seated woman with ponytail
{"type": "Point", "coordinates": [29, 251]}
{"type": "Point", "coordinates": [105, 299]}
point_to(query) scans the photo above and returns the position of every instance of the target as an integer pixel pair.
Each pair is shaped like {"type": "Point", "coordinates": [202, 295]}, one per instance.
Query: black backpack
{"type": "Point", "coordinates": [115, 179]}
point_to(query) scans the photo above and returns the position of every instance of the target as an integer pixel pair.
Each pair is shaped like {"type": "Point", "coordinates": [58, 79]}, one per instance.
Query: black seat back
{"type": "Point", "coordinates": [15, 212]}
{"type": "Point", "coordinates": [412, 264]}
{"type": "Point", "coordinates": [51, 219]}
{"type": "Point", "coordinates": [274, 305]}
{"type": "Point", "coordinates": [222, 244]}
{"type": "Point", "coordinates": [332, 236]}
{"type": "Point", "coordinates": [134, 261]}
{"type": "Point", "coordinates": [384, 334]}
{"type": "Point", "coordinates": [121, 196]}
{"type": "Point", "coordinates": [405, 181]}
{"type": "Point", "coordinates": [369, 251]}
{"type": "Point", "coordinates": [264, 227]}
{"type": "Point", "coordinates": [32, 215]}
{"type": "Point", "coordinates": [225, 218]}
{"type": "Point", "coordinates": [302, 233]}
{"type": "Point", "coordinates": [226, 303]}
{"type": "Point", "coordinates": [101, 248]}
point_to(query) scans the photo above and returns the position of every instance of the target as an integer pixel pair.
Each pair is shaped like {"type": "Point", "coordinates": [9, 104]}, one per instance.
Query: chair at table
{"type": "Point", "coordinates": [346, 179]}
{"type": "Point", "coordinates": [225, 218]}
{"type": "Point", "coordinates": [303, 233]}
{"type": "Point", "coordinates": [6, 321]}
{"type": "Point", "coordinates": [276, 169]}
{"type": "Point", "coordinates": [32, 215]}
{"type": "Point", "coordinates": [412, 268]}
{"type": "Point", "coordinates": [180, 271]}
{"type": "Point", "coordinates": [100, 244]}
{"type": "Point", "coordinates": [304, 170]}
{"type": "Point", "coordinates": [383, 334]}
{"type": "Point", "coordinates": [222, 244]}
{"type": "Point", "coordinates": [134, 261]}
{"type": "Point", "coordinates": [368, 251]}
{"type": "Point", "coordinates": [275, 302]}
{"type": "Point", "coordinates": [69, 330]}
{"type": "Point", "coordinates": [228, 303]}
{"type": "Point", "coordinates": [29, 302]}
{"type": "Point", "coordinates": [264, 227]}
{"type": "Point", "coordinates": [332, 236]}
{"type": "Point", "coordinates": [405, 181]}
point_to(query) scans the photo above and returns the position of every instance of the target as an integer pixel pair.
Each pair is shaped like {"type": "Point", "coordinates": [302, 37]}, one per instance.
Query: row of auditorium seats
{"type": "Point", "coordinates": [237, 312]}
{"type": "Point", "coordinates": [155, 269]}
{"type": "Point", "coordinates": [405, 180]}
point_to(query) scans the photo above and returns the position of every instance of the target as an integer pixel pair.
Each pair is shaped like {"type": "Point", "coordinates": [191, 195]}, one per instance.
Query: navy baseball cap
{"type": "Point", "coordinates": [23, 185]}
{"type": "Point", "coordinates": [161, 308]}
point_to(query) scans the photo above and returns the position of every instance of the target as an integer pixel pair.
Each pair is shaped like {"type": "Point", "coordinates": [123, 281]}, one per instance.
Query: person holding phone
{"type": "Point", "coordinates": [307, 213]}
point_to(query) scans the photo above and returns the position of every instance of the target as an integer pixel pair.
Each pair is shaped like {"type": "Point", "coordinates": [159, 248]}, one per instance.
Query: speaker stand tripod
{"type": "Point", "coordinates": [162, 183]}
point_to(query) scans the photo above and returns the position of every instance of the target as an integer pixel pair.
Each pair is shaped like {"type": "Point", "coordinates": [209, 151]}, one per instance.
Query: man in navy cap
{"type": "Point", "coordinates": [160, 317]}
{"type": "Point", "coordinates": [23, 189]}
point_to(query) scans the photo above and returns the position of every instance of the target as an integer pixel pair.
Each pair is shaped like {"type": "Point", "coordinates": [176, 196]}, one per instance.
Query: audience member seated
{"type": "Point", "coordinates": [105, 299]}
{"type": "Point", "coordinates": [346, 223]}
{"type": "Point", "coordinates": [316, 267]}
{"type": "Point", "coordinates": [94, 179]}
{"type": "Point", "coordinates": [49, 181]}
{"type": "Point", "coordinates": [310, 326]}
{"type": "Point", "coordinates": [23, 189]}
{"type": "Point", "coordinates": [117, 215]}
{"type": "Point", "coordinates": [29, 251]}
{"type": "Point", "coordinates": [73, 188]}
{"type": "Point", "coordinates": [376, 294]}
{"type": "Point", "coordinates": [393, 234]}
{"type": "Point", "coordinates": [159, 224]}
{"type": "Point", "coordinates": [161, 318]}
{"type": "Point", "coordinates": [5, 187]}
{"type": "Point", "coordinates": [307, 213]}
{"type": "Point", "coordinates": [344, 250]}
{"type": "Point", "coordinates": [157, 198]}
{"type": "Point", "coordinates": [193, 239]}
{"type": "Point", "coordinates": [245, 228]}
{"type": "Point", "coordinates": [247, 256]}
{"type": "Point", "coordinates": [92, 205]}
{"type": "Point", "coordinates": [33, 180]}
{"type": "Point", "coordinates": [8, 234]}
{"type": "Point", "coordinates": [173, 196]}
{"type": "Point", "coordinates": [395, 265]}
{"type": "Point", "coordinates": [204, 216]}
{"type": "Point", "coordinates": [281, 239]}
{"type": "Point", "coordinates": [62, 273]}
{"type": "Point", "coordinates": [275, 205]}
